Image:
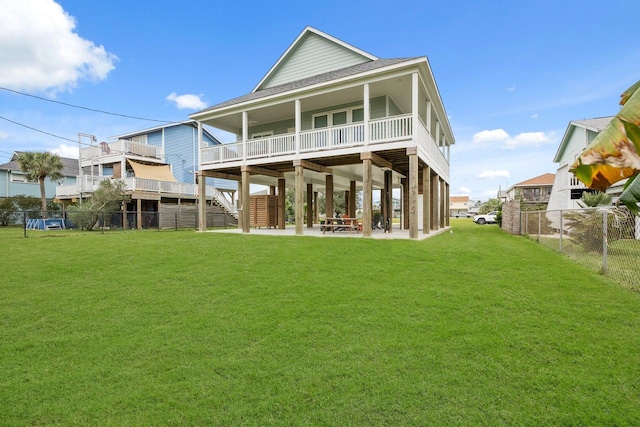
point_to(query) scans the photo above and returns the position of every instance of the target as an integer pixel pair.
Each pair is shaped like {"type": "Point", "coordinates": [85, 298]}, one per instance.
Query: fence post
{"type": "Point", "coordinates": [24, 223]}
{"type": "Point", "coordinates": [604, 239]}
{"type": "Point", "coordinates": [102, 222]}
{"type": "Point", "coordinates": [561, 230]}
{"type": "Point", "coordinates": [539, 225]}
{"type": "Point", "coordinates": [176, 220]}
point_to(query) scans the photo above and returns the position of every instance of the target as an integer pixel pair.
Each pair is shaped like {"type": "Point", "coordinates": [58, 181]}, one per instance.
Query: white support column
{"type": "Point", "coordinates": [199, 157]}
{"type": "Point", "coordinates": [429, 116]}
{"type": "Point", "coordinates": [448, 150]}
{"type": "Point", "coordinates": [298, 113]}
{"type": "Point", "coordinates": [202, 202]}
{"type": "Point", "coordinates": [245, 134]}
{"type": "Point", "coordinates": [367, 113]}
{"type": "Point", "coordinates": [414, 105]}
{"type": "Point", "coordinates": [437, 134]}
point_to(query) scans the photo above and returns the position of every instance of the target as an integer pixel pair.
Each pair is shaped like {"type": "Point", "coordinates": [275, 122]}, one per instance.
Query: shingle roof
{"type": "Point", "coordinates": [456, 199]}
{"type": "Point", "coordinates": [596, 124]}
{"type": "Point", "coordinates": [69, 166]}
{"type": "Point", "coordinates": [310, 81]}
{"type": "Point", "coordinates": [544, 179]}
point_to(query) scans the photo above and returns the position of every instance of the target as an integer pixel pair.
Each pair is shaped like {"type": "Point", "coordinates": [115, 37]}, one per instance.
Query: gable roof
{"type": "Point", "coordinates": [459, 199]}
{"type": "Point", "coordinates": [310, 81]}
{"type": "Point", "coordinates": [300, 59]}
{"type": "Point", "coordinates": [595, 125]}
{"type": "Point", "coordinates": [69, 165]}
{"type": "Point", "coordinates": [191, 123]}
{"type": "Point", "coordinates": [544, 179]}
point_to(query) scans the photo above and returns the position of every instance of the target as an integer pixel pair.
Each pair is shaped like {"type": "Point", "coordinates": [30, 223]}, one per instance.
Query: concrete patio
{"type": "Point", "coordinates": [396, 233]}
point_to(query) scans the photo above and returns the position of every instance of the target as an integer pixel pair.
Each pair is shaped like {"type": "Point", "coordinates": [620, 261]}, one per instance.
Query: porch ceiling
{"type": "Point", "coordinates": [270, 111]}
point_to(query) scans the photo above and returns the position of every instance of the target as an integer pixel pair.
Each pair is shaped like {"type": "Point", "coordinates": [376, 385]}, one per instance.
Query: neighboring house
{"type": "Point", "coordinates": [474, 207]}
{"type": "Point", "coordinates": [330, 117]}
{"type": "Point", "coordinates": [458, 205]}
{"type": "Point", "coordinates": [567, 189]}
{"type": "Point", "coordinates": [533, 193]}
{"type": "Point", "coordinates": [14, 182]}
{"type": "Point", "coordinates": [149, 162]}
{"type": "Point", "coordinates": [502, 195]}
{"type": "Point", "coordinates": [179, 145]}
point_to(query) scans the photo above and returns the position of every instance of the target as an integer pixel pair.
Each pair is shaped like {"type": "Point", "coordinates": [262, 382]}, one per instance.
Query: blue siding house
{"type": "Point", "coordinates": [14, 182]}
{"type": "Point", "coordinates": [179, 143]}
{"type": "Point", "coordinates": [159, 169]}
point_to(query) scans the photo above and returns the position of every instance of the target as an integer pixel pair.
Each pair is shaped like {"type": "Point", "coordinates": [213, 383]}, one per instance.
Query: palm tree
{"type": "Point", "coordinates": [39, 165]}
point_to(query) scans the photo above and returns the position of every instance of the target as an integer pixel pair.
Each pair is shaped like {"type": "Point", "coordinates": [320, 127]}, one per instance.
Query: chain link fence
{"type": "Point", "coordinates": [606, 238]}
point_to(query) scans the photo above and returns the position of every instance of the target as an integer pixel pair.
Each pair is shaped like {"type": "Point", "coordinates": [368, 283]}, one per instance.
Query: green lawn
{"type": "Point", "coordinates": [474, 327]}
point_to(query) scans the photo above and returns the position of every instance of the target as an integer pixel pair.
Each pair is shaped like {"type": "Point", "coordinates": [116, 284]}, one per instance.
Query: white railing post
{"type": "Point", "coordinates": [367, 113]}
{"type": "Point", "coordinates": [298, 121]}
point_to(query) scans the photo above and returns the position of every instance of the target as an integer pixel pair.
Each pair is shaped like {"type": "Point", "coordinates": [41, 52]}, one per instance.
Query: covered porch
{"type": "Point", "coordinates": [379, 133]}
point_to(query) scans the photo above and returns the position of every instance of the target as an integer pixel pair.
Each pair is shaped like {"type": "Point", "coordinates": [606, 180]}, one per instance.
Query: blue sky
{"type": "Point", "coordinates": [512, 74]}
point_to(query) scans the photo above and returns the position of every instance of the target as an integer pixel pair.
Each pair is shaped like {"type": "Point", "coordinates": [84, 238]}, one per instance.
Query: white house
{"type": "Point", "coordinates": [567, 189]}
{"type": "Point", "coordinates": [331, 117]}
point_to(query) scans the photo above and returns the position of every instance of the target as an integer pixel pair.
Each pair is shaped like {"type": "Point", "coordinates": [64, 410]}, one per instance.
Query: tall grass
{"type": "Point", "coordinates": [184, 328]}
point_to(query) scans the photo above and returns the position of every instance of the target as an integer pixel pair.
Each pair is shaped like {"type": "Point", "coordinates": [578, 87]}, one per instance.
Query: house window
{"type": "Point", "coordinates": [338, 117]}
{"type": "Point", "coordinates": [142, 139]}
{"type": "Point", "coordinates": [321, 121]}
{"type": "Point", "coordinates": [21, 178]}
{"type": "Point", "coordinates": [261, 134]}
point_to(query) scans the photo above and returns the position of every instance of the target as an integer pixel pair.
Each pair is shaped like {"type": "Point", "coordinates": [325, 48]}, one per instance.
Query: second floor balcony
{"type": "Point", "coordinates": [401, 130]}
{"type": "Point", "coordinates": [118, 149]}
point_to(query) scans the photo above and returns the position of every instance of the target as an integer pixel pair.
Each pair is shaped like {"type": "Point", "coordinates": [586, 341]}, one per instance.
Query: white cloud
{"type": "Point", "coordinates": [64, 150]}
{"type": "Point", "coordinates": [493, 174]}
{"type": "Point", "coordinates": [511, 88]}
{"type": "Point", "coordinates": [486, 137]}
{"type": "Point", "coordinates": [4, 135]}
{"type": "Point", "coordinates": [524, 139]}
{"type": "Point", "coordinates": [464, 190]}
{"type": "Point", "coordinates": [528, 139]}
{"type": "Point", "coordinates": [188, 101]}
{"type": "Point", "coordinates": [41, 52]}
{"type": "Point", "coordinates": [534, 116]}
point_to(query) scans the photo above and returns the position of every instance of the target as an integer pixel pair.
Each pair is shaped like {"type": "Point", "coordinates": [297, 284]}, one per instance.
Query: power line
{"type": "Point", "coordinates": [37, 130]}
{"type": "Point", "coordinates": [84, 108]}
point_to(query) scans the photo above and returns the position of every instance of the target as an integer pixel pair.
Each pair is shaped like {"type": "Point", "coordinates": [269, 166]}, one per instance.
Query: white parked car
{"type": "Point", "coordinates": [488, 218]}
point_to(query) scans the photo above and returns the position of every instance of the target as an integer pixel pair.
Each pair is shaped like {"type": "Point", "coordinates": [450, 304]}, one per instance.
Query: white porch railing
{"type": "Point", "coordinates": [89, 184]}
{"type": "Point", "coordinates": [386, 130]}
{"type": "Point", "coordinates": [121, 147]}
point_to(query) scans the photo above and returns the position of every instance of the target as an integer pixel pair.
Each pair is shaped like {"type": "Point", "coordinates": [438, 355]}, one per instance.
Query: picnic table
{"type": "Point", "coordinates": [340, 224]}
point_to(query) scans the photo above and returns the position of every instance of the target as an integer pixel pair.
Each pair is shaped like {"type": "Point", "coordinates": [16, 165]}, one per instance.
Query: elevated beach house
{"type": "Point", "coordinates": [331, 117]}
{"type": "Point", "coordinates": [157, 166]}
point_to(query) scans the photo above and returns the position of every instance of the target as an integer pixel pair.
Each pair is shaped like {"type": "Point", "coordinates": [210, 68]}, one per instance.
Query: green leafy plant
{"type": "Point", "coordinates": [8, 214]}
{"type": "Point", "coordinates": [614, 154]}
{"type": "Point", "coordinates": [587, 227]}
{"type": "Point", "coordinates": [106, 199]}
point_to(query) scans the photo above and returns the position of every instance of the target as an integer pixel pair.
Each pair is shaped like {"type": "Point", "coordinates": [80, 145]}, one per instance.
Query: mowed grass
{"type": "Point", "coordinates": [474, 327]}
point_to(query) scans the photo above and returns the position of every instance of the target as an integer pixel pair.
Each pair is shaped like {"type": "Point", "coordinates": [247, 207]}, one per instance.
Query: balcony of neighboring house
{"type": "Point", "coordinates": [105, 152]}
{"type": "Point", "coordinates": [87, 184]}
{"type": "Point", "coordinates": [536, 195]}
{"type": "Point", "coordinates": [384, 133]}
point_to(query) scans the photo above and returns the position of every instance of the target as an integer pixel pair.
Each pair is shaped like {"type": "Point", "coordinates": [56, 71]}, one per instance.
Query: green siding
{"type": "Point", "coordinates": [312, 55]}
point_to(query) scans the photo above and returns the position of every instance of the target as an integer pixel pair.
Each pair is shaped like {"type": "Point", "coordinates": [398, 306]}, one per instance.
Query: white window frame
{"type": "Point", "coordinates": [141, 139]}
{"type": "Point", "coordinates": [330, 114]}
{"type": "Point", "coordinates": [264, 134]}
{"type": "Point", "coordinates": [22, 178]}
